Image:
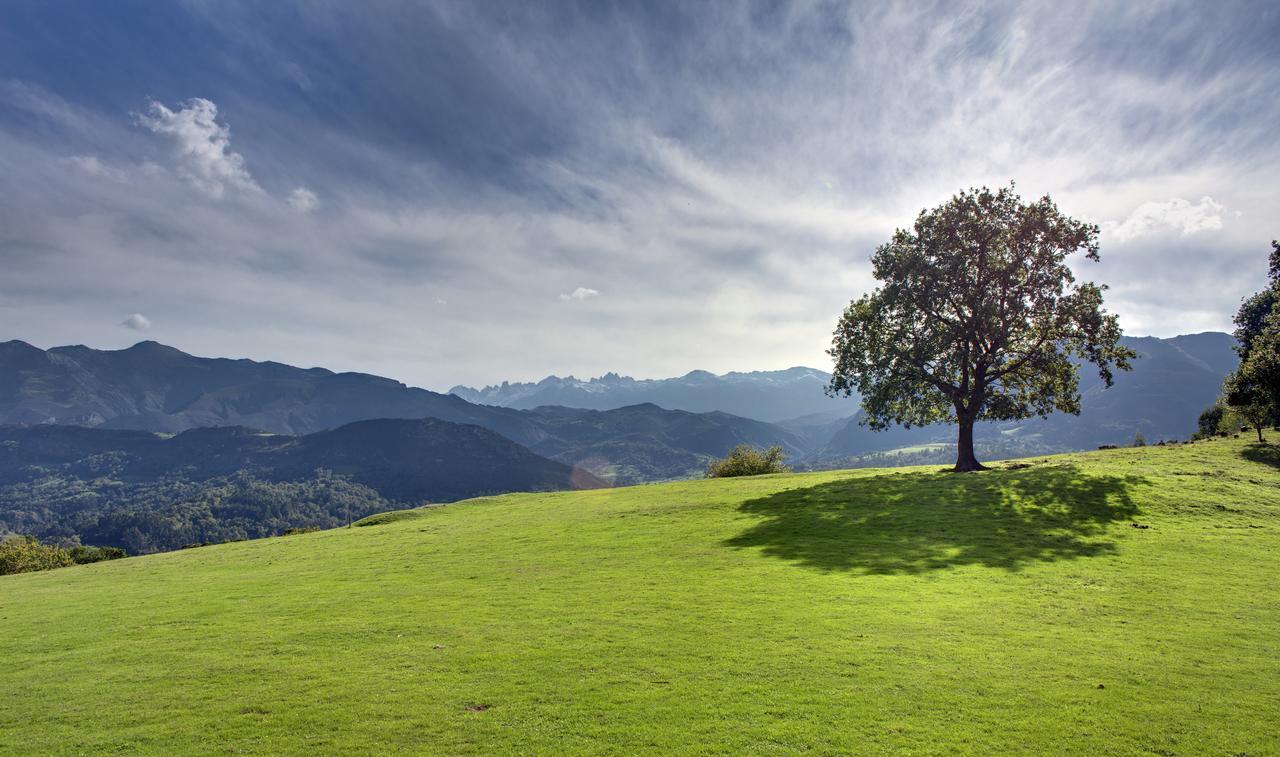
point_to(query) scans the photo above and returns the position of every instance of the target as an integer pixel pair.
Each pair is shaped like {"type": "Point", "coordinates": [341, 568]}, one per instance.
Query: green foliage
{"type": "Point", "coordinates": [83, 555]}
{"type": "Point", "coordinates": [1254, 388]}
{"type": "Point", "coordinates": [745, 460]}
{"type": "Point", "coordinates": [172, 512]}
{"type": "Point", "coordinates": [1139, 440]}
{"type": "Point", "coordinates": [851, 612]}
{"type": "Point", "coordinates": [1256, 415]}
{"type": "Point", "coordinates": [978, 317]}
{"type": "Point", "coordinates": [24, 554]}
{"type": "Point", "coordinates": [1210, 421]}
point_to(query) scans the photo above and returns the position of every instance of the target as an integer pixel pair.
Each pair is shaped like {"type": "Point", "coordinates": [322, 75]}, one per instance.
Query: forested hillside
{"type": "Point", "coordinates": [148, 492]}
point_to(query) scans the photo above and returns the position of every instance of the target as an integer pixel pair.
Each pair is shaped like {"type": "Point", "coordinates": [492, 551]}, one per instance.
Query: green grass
{"type": "Point", "coordinates": [857, 611]}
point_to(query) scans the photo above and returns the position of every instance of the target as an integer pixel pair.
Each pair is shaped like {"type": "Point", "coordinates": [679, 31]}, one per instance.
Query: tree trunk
{"type": "Point", "coordinates": [965, 459]}
{"type": "Point", "coordinates": [1258, 428]}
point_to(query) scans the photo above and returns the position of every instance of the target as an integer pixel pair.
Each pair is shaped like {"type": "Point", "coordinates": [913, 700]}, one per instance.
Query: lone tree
{"type": "Point", "coordinates": [978, 318]}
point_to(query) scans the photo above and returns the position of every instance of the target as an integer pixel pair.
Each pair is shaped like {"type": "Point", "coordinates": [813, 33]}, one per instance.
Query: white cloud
{"type": "Point", "coordinates": [137, 322]}
{"type": "Point", "coordinates": [581, 293]}
{"type": "Point", "coordinates": [1175, 215]}
{"type": "Point", "coordinates": [303, 200]}
{"type": "Point", "coordinates": [204, 145]}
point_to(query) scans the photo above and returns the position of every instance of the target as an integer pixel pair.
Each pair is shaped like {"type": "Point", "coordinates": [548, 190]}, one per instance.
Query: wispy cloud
{"type": "Point", "coordinates": [303, 200]}
{"type": "Point", "coordinates": [581, 293]}
{"type": "Point", "coordinates": [91, 166]}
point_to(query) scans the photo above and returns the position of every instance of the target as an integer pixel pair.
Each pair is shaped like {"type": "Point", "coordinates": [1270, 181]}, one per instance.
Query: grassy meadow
{"type": "Point", "coordinates": [906, 610]}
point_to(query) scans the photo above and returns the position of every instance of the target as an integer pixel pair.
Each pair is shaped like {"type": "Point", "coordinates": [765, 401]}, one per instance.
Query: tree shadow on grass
{"type": "Point", "coordinates": [913, 523]}
{"type": "Point", "coordinates": [1267, 454]}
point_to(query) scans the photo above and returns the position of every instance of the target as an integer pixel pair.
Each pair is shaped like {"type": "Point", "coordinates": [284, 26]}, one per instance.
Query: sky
{"type": "Point", "coordinates": [473, 192]}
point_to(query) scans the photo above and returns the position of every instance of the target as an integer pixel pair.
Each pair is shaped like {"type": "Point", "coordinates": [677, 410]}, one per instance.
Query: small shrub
{"type": "Point", "coordinates": [84, 555]}
{"type": "Point", "coordinates": [301, 530]}
{"type": "Point", "coordinates": [1210, 422]}
{"type": "Point", "coordinates": [1139, 440]}
{"type": "Point", "coordinates": [745, 460]}
{"type": "Point", "coordinates": [24, 554]}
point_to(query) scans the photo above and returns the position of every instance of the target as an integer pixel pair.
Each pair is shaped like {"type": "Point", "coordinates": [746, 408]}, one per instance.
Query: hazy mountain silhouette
{"type": "Point", "coordinates": [769, 396]}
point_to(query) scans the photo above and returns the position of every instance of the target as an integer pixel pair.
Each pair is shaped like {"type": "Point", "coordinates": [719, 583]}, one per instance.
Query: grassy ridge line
{"type": "Point", "coordinates": [860, 610]}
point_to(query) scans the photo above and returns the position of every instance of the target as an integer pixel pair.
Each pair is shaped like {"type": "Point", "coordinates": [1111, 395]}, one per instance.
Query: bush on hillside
{"type": "Point", "coordinates": [1139, 440]}
{"type": "Point", "coordinates": [24, 554]}
{"type": "Point", "coordinates": [1210, 422]}
{"type": "Point", "coordinates": [745, 460]}
{"type": "Point", "coordinates": [83, 555]}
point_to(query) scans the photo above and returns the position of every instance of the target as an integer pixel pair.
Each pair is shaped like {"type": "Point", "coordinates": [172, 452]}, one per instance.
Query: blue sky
{"type": "Point", "coordinates": [470, 192]}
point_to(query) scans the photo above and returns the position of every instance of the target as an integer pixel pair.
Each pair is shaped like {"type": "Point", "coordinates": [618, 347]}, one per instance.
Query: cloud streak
{"type": "Point", "coordinates": [303, 200]}
{"type": "Point", "coordinates": [581, 293]}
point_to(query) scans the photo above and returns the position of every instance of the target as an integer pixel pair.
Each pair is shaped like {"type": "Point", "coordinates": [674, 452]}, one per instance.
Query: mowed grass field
{"type": "Point", "coordinates": [1018, 610]}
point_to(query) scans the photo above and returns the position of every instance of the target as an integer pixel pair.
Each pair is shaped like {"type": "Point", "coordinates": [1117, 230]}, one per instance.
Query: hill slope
{"type": "Point", "coordinates": [148, 492]}
{"type": "Point", "coordinates": [855, 611]}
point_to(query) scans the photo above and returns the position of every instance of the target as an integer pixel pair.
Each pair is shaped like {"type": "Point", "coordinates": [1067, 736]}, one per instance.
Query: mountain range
{"type": "Point", "coordinates": [769, 396]}
{"type": "Point", "coordinates": [95, 433]}
{"type": "Point", "coordinates": [152, 387]}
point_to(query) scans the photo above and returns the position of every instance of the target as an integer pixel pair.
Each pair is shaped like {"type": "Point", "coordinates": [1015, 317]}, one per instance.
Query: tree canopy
{"type": "Point", "coordinates": [978, 317]}
{"type": "Point", "coordinates": [1254, 388]}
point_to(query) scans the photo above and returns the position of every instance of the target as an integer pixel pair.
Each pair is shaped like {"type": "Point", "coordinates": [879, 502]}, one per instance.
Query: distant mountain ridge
{"type": "Point", "coordinates": [769, 396]}
{"type": "Point", "coordinates": [153, 387]}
